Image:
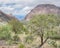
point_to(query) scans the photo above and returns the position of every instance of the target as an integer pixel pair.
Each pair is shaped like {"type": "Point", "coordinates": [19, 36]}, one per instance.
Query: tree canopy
{"type": "Point", "coordinates": [44, 26]}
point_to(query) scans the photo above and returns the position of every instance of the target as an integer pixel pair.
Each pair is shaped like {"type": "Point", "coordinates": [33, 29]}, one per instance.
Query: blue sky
{"type": "Point", "coordinates": [20, 8]}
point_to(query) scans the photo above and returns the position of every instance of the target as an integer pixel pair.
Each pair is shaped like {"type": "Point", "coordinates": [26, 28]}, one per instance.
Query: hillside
{"type": "Point", "coordinates": [43, 9]}
{"type": "Point", "coordinates": [5, 17]}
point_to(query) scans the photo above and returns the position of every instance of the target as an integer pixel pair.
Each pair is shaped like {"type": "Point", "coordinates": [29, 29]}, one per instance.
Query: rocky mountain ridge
{"type": "Point", "coordinates": [43, 9]}
{"type": "Point", "coordinates": [5, 17]}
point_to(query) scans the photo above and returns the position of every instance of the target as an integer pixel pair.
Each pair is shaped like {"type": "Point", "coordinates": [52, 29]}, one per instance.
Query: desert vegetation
{"type": "Point", "coordinates": [36, 33]}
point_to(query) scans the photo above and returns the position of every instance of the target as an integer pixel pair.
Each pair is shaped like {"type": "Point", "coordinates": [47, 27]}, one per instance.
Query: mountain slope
{"type": "Point", "coordinates": [5, 17]}
{"type": "Point", "coordinates": [43, 9]}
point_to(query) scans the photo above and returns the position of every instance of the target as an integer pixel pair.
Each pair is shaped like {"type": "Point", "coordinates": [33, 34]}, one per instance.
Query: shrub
{"type": "Point", "coordinates": [21, 46]}
{"type": "Point", "coordinates": [5, 32]}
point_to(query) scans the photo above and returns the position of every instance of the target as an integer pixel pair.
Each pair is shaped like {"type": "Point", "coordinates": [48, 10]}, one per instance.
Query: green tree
{"type": "Point", "coordinates": [43, 25]}
{"type": "Point", "coordinates": [17, 26]}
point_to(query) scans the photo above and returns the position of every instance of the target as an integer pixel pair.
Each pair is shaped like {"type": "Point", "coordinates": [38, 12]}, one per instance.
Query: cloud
{"type": "Point", "coordinates": [22, 7]}
{"type": "Point", "coordinates": [6, 8]}
{"type": "Point", "coordinates": [23, 11]}
{"type": "Point", "coordinates": [26, 10]}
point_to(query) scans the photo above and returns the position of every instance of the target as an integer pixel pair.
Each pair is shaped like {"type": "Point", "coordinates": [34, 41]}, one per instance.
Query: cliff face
{"type": "Point", "coordinates": [5, 17]}
{"type": "Point", "coordinates": [43, 9]}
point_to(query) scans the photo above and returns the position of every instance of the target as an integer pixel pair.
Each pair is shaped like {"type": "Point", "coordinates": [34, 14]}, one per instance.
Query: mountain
{"type": "Point", "coordinates": [43, 9]}
{"type": "Point", "coordinates": [5, 17]}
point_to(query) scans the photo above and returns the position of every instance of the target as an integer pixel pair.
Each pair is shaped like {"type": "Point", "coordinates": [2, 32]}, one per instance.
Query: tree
{"type": "Point", "coordinates": [43, 25]}
{"type": "Point", "coordinates": [17, 26]}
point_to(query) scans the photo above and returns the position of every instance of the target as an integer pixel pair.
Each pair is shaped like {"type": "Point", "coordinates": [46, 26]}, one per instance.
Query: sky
{"type": "Point", "coordinates": [20, 8]}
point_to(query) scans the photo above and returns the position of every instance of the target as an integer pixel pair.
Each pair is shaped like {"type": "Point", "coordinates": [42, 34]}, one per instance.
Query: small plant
{"type": "Point", "coordinates": [16, 38]}
{"type": "Point", "coordinates": [29, 39]}
{"type": "Point", "coordinates": [21, 46]}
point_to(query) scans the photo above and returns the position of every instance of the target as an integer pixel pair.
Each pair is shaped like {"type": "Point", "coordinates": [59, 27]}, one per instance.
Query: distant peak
{"type": "Point", "coordinates": [43, 9]}
{"type": "Point", "coordinates": [46, 5]}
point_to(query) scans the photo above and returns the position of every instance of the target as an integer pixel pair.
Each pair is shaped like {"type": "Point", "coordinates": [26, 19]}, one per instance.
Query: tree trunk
{"type": "Point", "coordinates": [42, 43]}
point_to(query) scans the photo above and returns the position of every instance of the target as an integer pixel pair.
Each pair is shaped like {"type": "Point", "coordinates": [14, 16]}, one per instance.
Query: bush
{"type": "Point", "coordinates": [17, 26]}
{"type": "Point", "coordinates": [21, 46]}
{"type": "Point", "coordinates": [5, 32]}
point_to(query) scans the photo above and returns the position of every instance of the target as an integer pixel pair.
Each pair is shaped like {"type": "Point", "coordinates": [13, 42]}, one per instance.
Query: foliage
{"type": "Point", "coordinates": [29, 39]}
{"type": "Point", "coordinates": [17, 26]}
{"type": "Point", "coordinates": [5, 32]}
{"type": "Point", "coordinates": [21, 46]}
{"type": "Point", "coordinates": [40, 27]}
{"type": "Point", "coordinates": [43, 26]}
{"type": "Point", "coordinates": [16, 38]}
